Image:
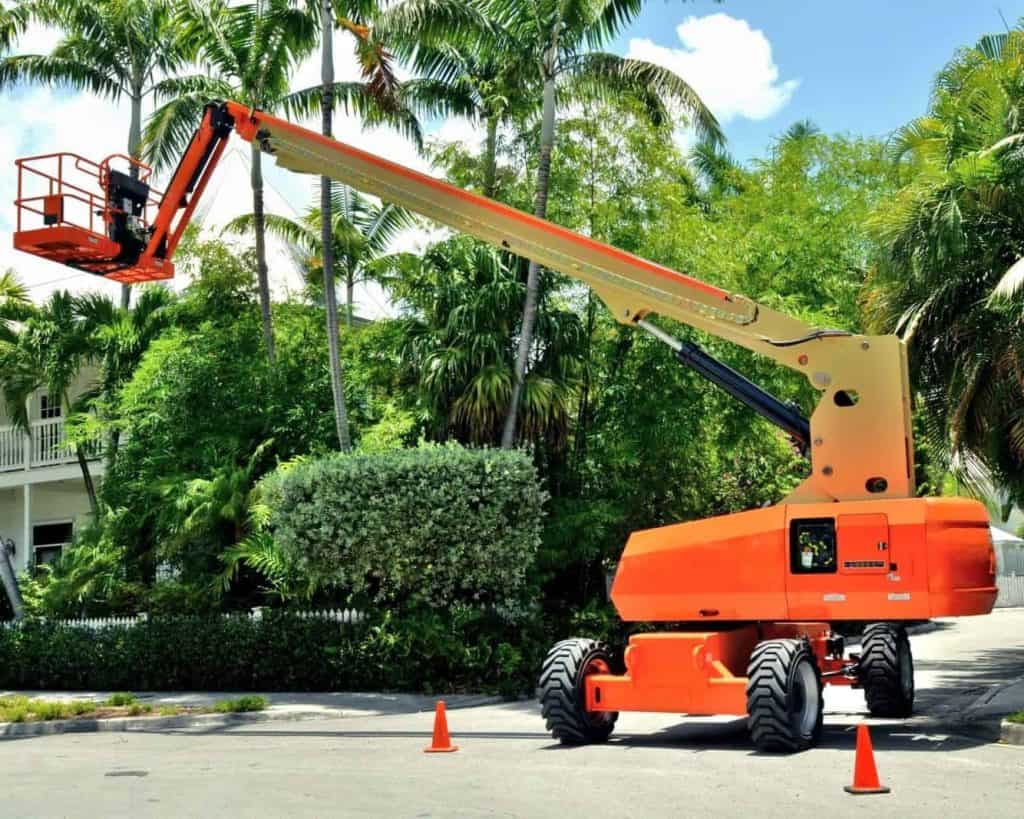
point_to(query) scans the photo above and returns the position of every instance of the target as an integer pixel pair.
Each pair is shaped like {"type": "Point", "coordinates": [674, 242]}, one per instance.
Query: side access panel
{"type": "Point", "coordinates": [856, 561]}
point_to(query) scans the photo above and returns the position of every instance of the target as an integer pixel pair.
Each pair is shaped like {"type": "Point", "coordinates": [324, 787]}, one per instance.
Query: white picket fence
{"type": "Point", "coordinates": [342, 616]}
{"type": "Point", "coordinates": [1011, 590]}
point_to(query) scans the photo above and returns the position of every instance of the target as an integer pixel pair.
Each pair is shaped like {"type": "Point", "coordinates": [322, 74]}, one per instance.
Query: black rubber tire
{"type": "Point", "coordinates": [561, 692]}
{"type": "Point", "coordinates": [777, 706]}
{"type": "Point", "coordinates": [886, 670]}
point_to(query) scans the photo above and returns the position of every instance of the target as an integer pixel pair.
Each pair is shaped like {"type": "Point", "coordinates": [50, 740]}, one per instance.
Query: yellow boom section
{"type": "Point", "coordinates": [856, 449]}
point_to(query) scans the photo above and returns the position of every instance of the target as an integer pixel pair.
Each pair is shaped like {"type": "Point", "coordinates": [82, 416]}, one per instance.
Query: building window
{"type": "Point", "coordinates": [49, 540]}
{"type": "Point", "coordinates": [812, 546]}
{"type": "Point", "coordinates": [49, 407]}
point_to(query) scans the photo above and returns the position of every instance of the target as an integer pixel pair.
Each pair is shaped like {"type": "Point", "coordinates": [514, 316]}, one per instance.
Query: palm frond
{"type": "Point", "coordinates": [608, 77]}
{"type": "Point", "coordinates": [58, 71]}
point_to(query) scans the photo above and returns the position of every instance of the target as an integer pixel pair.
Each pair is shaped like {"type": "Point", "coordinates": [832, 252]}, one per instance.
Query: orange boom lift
{"type": "Point", "coordinates": [751, 596]}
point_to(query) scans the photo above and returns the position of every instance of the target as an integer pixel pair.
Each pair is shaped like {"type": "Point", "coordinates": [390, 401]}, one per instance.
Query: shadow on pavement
{"type": "Point", "coordinates": [689, 736]}
{"type": "Point", "coordinates": [695, 734]}
{"type": "Point", "coordinates": [732, 736]}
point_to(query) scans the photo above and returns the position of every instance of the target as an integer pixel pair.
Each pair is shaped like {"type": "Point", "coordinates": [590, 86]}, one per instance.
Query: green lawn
{"type": "Point", "coordinates": [23, 709]}
{"type": "Point", "coordinates": [1018, 717]}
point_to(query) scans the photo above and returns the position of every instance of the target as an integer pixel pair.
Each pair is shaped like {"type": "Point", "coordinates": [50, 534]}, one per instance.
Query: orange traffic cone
{"type": "Point", "coordinates": [865, 774]}
{"type": "Point", "coordinates": [441, 743]}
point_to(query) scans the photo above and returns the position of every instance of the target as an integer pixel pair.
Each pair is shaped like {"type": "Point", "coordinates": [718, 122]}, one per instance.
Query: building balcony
{"type": "Point", "coordinates": [46, 446]}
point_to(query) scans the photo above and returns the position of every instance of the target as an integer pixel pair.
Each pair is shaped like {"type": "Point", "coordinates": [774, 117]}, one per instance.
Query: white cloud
{"type": "Point", "coordinates": [728, 63]}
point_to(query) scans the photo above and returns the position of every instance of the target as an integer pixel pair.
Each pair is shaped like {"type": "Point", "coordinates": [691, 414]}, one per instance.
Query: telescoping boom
{"type": "Point", "coordinates": [755, 592]}
{"type": "Point", "coordinates": [863, 379]}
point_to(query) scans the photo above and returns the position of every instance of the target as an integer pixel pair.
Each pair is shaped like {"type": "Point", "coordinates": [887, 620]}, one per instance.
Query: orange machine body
{"type": "Point", "coordinates": [900, 559]}
{"type": "Point", "coordinates": [737, 580]}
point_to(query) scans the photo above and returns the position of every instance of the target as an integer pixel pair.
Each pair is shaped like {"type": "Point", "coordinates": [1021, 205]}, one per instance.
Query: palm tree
{"type": "Point", "coordinates": [247, 53]}
{"type": "Point", "coordinates": [14, 305]}
{"type": "Point", "coordinates": [359, 233]}
{"type": "Point", "coordinates": [48, 351]}
{"type": "Point", "coordinates": [113, 48]}
{"type": "Point", "coordinates": [118, 339]}
{"type": "Point", "coordinates": [556, 38]}
{"type": "Point", "coordinates": [381, 82]}
{"type": "Point", "coordinates": [947, 276]}
{"type": "Point", "coordinates": [12, 24]}
{"type": "Point", "coordinates": [559, 36]}
{"type": "Point", "coordinates": [460, 298]}
{"type": "Point", "coordinates": [488, 83]}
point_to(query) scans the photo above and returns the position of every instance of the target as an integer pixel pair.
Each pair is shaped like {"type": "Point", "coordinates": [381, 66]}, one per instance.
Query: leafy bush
{"type": "Point", "coordinates": [120, 699]}
{"type": "Point", "coordinates": [420, 527]}
{"type": "Point", "coordinates": [22, 709]}
{"type": "Point", "coordinates": [241, 705]}
{"type": "Point", "coordinates": [463, 649]}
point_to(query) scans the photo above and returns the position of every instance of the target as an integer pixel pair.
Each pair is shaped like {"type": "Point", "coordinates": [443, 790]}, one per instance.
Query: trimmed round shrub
{"type": "Point", "coordinates": [427, 526]}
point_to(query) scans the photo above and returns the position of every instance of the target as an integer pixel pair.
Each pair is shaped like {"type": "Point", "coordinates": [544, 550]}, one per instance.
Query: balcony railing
{"type": "Point", "coordinates": [46, 446]}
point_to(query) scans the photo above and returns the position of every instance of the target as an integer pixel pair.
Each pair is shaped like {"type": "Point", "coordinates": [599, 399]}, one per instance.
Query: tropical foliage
{"type": "Point", "coordinates": [948, 273]}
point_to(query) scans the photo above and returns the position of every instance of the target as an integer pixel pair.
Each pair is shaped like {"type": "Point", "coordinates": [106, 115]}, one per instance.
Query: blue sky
{"type": "Point", "coordinates": [863, 67]}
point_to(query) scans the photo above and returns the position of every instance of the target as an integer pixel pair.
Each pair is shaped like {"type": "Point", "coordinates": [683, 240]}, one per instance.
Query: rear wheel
{"type": "Point", "coordinates": [562, 692]}
{"type": "Point", "coordinates": [784, 701]}
{"type": "Point", "coordinates": [886, 670]}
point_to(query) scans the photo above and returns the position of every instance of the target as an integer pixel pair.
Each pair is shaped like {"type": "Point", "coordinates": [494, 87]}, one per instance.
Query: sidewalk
{"type": "Point", "coordinates": [283, 706]}
{"type": "Point", "coordinates": [997, 703]}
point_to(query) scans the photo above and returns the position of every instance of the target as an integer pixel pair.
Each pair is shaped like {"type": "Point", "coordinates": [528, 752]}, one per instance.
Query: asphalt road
{"type": "Point", "coordinates": [655, 765]}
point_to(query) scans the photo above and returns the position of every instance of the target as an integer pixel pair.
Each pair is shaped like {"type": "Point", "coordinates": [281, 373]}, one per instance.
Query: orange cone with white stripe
{"type": "Point", "coordinates": [441, 742]}
{"type": "Point", "coordinates": [865, 774]}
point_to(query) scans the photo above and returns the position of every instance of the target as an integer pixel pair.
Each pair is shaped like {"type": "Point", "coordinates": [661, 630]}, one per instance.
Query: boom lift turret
{"type": "Point", "coordinates": [752, 596]}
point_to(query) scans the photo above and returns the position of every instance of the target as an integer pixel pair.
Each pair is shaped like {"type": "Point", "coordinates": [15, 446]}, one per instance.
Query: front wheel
{"type": "Point", "coordinates": [562, 692]}
{"type": "Point", "coordinates": [784, 698]}
{"type": "Point", "coordinates": [886, 670]}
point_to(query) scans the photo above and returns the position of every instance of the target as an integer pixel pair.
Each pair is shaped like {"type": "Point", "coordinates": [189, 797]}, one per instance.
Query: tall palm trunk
{"type": "Point", "coordinates": [350, 298]}
{"type": "Point", "coordinates": [547, 141]}
{"type": "Point", "coordinates": [326, 233]}
{"type": "Point", "coordinates": [10, 582]}
{"type": "Point", "coordinates": [135, 152]}
{"type": "Point", "coordinates": [260, 228]}
{"type": "Point", "coordinates": [90, 487]}
{"type": "Point", "coordinates": [491, 156]}
{"type": "Point", "coordinates": [83, 464]}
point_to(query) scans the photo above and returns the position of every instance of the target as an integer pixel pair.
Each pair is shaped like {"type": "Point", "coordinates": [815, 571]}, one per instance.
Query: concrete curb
{"type": "Point", "coordinates": [1012, 733]}
{"type": "Point", "coordinates": [17, 730]}
{"type": "Point", "coordinates": [13, 730]}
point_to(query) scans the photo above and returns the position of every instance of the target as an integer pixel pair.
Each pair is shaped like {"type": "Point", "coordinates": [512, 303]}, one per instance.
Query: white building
{"type": "Point", "coordinates": [42, 492]}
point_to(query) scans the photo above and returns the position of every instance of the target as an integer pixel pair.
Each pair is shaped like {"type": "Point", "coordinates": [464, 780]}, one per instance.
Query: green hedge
{"type": "Point", "coordinates": [422, 527]}
{"type": "Point", "coordinates": [464, 649]}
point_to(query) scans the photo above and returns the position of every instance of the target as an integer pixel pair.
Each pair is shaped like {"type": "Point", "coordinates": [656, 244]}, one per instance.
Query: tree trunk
{"type": "Point", "coordinates": [326, 233]}
{"type": "Point", "coordinates": [10, 582]}
{"type": "Point", "coordinates": [83, 464]}
{"type": "Point", "coordinates": [135, 152]}
{"type": "Point", "coordinates": [491, 157]}
{"type": "Point", "coordinates": [350, 298]}
{"type": "Point", "coordinates": [90, 487]}
{"type": "Point", "coordinates": [260, 227]}
{"type": "Point", "coordinates": [547, 141]}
